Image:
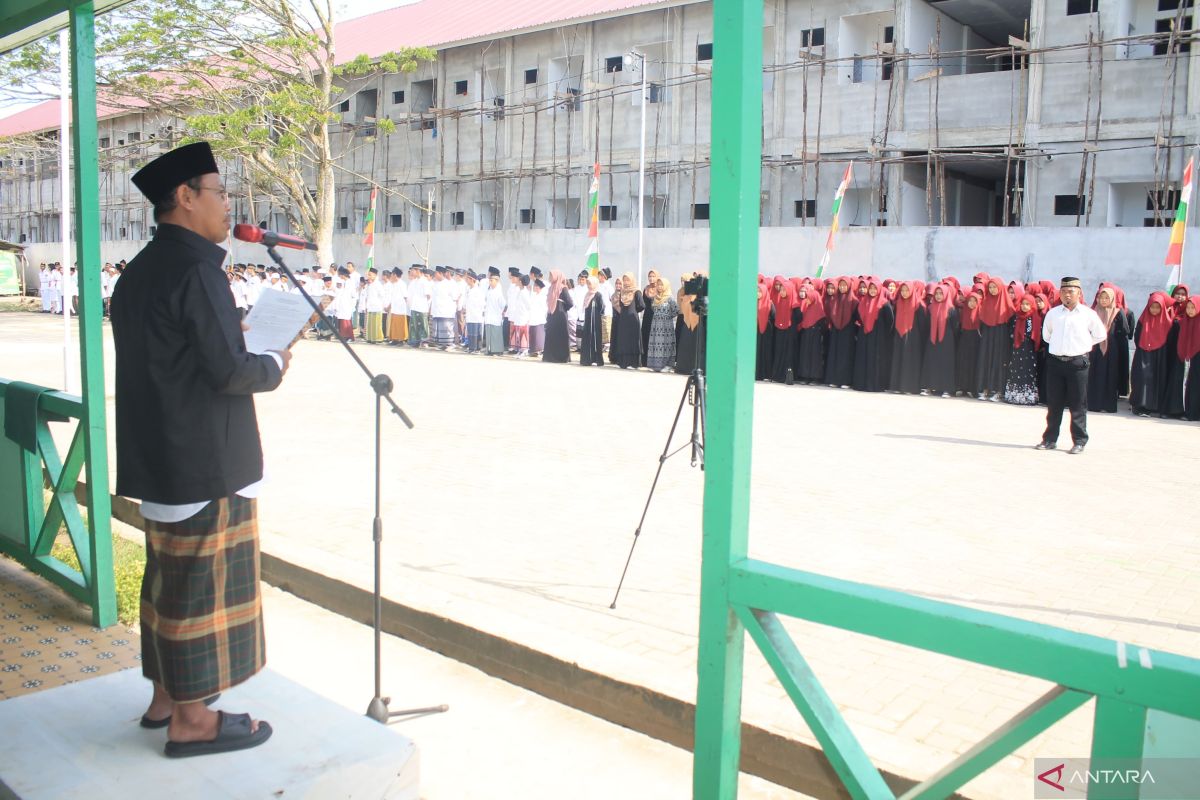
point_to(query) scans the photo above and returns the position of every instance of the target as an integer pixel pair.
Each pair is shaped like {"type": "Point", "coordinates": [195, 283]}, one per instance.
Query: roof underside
{"type": "Point", "coordinates": [25, 21]}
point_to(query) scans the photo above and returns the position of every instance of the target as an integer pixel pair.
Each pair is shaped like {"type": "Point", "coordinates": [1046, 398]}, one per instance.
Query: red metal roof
{"type": "Point", "coordinates": [429, 23]}
{"type": "Point", "coordinates": [433, 23]}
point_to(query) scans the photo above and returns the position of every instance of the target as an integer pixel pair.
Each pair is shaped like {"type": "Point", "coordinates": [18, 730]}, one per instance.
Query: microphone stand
{"type": "Point", "coordinates": [382, 386]}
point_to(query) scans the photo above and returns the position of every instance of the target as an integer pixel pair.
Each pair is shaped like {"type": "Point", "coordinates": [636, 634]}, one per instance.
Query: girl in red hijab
{"type": "Point", "coordinates": [1157, 381]}
{"type": "Point", "coordinates": [909, 342]}
{"type": "Point", "coordinates": [969, 341]}
{"type": "Point", "coordinates": [1020, 387]}
{"type": "Point", "coordinates": [938, 365]}
{"type": "Point", "coordinates": [783, 299]}
{"type": "Point", "coordinates": [765, 354]}
{"type": "Point", "coordinates": [841, 310]}
{"type": "Point", "coordinates": [995, 347]}
{"type": "Point", "coordinates": [872, 349]}
{"type": "Point", "coordinates": [1189, 353]}
{"type": "Point", "coordinates": [814, 329]}
{"type": "Point", "coordinates": [1108, 372]}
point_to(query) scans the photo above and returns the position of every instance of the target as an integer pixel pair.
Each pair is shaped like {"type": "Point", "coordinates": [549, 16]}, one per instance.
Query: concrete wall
{"type": "Point", "coordinates": [1131, 257]}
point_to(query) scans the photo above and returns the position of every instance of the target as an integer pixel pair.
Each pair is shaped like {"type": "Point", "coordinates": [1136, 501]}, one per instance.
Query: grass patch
{"type": "Point", "coordinates": [20, 304]}
{"type": "Point", "coordinates": [129, 562]}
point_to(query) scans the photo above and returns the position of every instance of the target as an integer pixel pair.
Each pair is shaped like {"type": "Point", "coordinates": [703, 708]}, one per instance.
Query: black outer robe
{"type": "Point", "coordinates": [686, 341]}
{"type": "Point", "coordinates": [908, 352]}
{"type": "Point", "coordinates": [558, 342]}
{"type": "Point", "coordinates": [939, 366]}
{"type": "Point", "coordinates": [1105, 377]}
{"type": "Point", "coordinates": [591, 334]}
{"type": "Point", "coordinates": [1191, 395]}
{"type": "Point", "coordinates": [764, 353]}
{"type": "Point", "coordinates": [873, 353]}
{"type": "Point", "coordinates": [647, 321]}
{"type": "Point", "coordinates": [787, 341]}
{"type": "Point", "coordinates": [1157, 378]}
{"type": "Point", "coordinates": [186, 427]}
{"type": "Point", "coordinates": [810, 357]}
{"type": "Point", "coordinates": [839, 356]}
{"type": "Point", "coordinates": [967, 360]}
{"type": "Point", "coordinates": [991, 365]}
{"type": "Point", "coordinates": [625, 347]}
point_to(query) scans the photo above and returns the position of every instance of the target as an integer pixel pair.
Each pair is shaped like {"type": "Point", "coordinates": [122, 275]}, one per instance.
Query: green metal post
{"type": "Point", "coordinates": [1118, 739]}
{"type": "Point", "coordinates": [91, 339]}
{"type": "Point", "coordinates": [733, 265]}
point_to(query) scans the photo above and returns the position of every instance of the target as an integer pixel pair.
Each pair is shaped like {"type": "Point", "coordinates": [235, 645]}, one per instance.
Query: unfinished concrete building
{"type": "Point", "coordinates": [1025, 115]}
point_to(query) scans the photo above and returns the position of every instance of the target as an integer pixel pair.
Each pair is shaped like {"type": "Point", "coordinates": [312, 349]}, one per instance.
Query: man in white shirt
{"type": "Point", "coordinates": [1070, 331]}
{"type": "Point", "coordinates": [44, 287]}
{"type": "Point", "coordinates": [443, 309]}
{"type": "Point", "coordinates": [605, 288]}
{"type": "Point", "coordinates": [575, 315]}
{"type": "Point", "coordinates": [375, 302]}
{"type": "Point", "coordinates": [473, 304]}
{"type": "Point", "coordinates": [419, 302]}
{"type": "Point", "coordinates": [397, 331]}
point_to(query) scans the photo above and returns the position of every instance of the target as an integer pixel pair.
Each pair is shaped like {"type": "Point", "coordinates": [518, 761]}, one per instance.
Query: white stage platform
{"type": "Point", "coordinates": [83, 740]}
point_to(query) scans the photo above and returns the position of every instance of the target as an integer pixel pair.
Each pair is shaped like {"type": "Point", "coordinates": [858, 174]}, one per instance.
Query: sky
{"type": "Point", "coordinates": [347, 9]}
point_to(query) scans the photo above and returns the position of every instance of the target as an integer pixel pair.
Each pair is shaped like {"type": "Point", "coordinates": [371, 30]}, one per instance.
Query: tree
{"type": "Point", "coordinates": [258, 79]}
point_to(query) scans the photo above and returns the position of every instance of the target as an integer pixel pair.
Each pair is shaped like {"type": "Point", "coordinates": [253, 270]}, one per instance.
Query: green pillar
{"type": "Point", "coordinates": [733, 267]}
{"type": "Point", "coordinates": [91, 339]}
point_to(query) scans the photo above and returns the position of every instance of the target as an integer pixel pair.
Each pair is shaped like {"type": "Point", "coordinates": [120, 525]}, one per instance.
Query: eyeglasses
{"type": "Point", "coordinates": [222, 191]}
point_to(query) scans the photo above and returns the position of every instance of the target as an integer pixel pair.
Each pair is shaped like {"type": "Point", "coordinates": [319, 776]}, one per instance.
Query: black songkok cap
{"type": "Point", "coordinates": [472, 275]}
{"type": "Point", "coordinates": [607, 272]}
{"type": "Point", "coordinates": [514, 271]}
{"type": "Point", "coordinates": [427, 271]}
{"type": "Point", "coordinates": [161, 176]}
{"type": "Point", "coordinates": [373, 271]}
{"type": "Point", "coordinates": [345, 273]}
{"type": "Point", "coordinates": [328, 279]}
{"type": "Point", "coordinates": [440, 269]}
{"type": "Point", "coordinates": [535, 272]}
{"type": "Point", "coordinates": [538, 283]}
{"type": "Point", "coordinates": [493, 271]}
{"type": "Point", "coordinates": [583, 273]}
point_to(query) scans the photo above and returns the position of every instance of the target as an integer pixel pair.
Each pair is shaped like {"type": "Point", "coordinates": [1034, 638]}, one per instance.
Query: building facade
{"type": "Point", "coordinates": [1024, 114]}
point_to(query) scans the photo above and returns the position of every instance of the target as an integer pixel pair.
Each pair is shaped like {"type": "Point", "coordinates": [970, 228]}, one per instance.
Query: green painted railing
{"type": "Point", "coordinates": [21, 481]}
{"type": "Point", "coordinates": [739, 596]}
{"type": "Point", "coordinates": [30, 523]}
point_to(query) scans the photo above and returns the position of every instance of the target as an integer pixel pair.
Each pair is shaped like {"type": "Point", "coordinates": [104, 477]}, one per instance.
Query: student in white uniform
{"type": "Point", "coordinates": [538, 313]}
{"type": "Point", "coordinates": [443, 309]}
{"type": "Point", "coordinates": [44, 287]}
{"type": "Point", "coordinates": [473, 306]}
{"type": "Point", "coordinates": [397, 331]}
{"type": "Point", "coordinates": [575, 314]}
{"type": "Point", "coordinates": [493, 315]}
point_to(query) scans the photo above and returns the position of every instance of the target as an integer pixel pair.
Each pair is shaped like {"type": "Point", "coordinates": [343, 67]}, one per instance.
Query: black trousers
{"type": "Point", "coordinates": [1066, 386]}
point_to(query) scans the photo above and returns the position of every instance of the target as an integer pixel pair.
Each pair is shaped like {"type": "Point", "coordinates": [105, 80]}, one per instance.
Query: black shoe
{"type": "Point", "coordinates": [1046, 446]}
{"type": "Point", "coordinates": [1075, 450]}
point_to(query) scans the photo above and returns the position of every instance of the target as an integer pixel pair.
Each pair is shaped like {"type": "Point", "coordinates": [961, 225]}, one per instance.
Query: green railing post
{"type": "Point", "coordinates": [1118, 738]}
{"type": "Point", "coordinates": [91, 341]}
{"type": "Point", "coordinates": [733, 267]}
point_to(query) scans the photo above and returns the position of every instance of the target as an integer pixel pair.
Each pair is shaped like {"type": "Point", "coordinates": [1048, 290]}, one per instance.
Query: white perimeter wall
{"type": "Point", "coordinates": [1130, 257]}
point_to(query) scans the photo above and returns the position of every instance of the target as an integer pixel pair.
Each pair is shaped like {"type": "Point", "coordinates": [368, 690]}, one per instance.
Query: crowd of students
{"type": "Point", "coordinates": [527, 315]}
{"type": "Point", "coordinates": [870, 334]}
{"type": "Point", "coordinates": [983, 341]}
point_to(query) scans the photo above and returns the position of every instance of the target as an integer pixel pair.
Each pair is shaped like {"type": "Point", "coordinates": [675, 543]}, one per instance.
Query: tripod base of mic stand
{"type": "Point", "coordinates": [378, 710]}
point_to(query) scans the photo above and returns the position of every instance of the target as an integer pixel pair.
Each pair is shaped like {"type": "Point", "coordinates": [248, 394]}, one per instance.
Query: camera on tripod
{"type": "Point", "coordinates": [697, 287]}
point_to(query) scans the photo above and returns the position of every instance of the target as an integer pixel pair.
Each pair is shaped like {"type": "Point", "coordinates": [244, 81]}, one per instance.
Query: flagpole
{"type": "Point", "coordinates": [1186, 219]}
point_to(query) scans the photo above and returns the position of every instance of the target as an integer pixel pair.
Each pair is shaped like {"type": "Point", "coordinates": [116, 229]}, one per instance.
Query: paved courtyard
{"type": "Point", "coordinates": [512, 504]}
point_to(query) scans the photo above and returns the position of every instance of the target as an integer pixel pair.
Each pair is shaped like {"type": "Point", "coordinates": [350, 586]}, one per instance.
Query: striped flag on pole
{"type": "Point", "coordinates": [369, 231]}
{"type": "Point", "coordinates": [593, 251]}
{"type": "Point", "coordinates": [833, 226]}
{"type": "Point", "coordinates": [1178, 231]}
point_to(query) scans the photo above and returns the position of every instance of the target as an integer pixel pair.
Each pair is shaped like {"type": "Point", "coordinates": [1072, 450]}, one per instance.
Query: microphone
{"type": "Point", "coordinates": [256, 235]}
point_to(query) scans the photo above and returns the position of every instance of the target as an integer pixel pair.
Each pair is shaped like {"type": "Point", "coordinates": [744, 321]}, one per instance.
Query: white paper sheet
{"type": "Point", "coordinates": [275, 320]}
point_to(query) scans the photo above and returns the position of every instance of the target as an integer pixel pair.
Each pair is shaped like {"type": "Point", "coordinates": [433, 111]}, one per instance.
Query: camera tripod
{"type": "Point", "coordinates": [693, 392]}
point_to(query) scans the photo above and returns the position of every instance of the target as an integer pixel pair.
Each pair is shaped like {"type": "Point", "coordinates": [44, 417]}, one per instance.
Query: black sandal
{"type": "Point", "coordinates": [157, 724]}
{"type": "Point", "coordinates": [234, 732]}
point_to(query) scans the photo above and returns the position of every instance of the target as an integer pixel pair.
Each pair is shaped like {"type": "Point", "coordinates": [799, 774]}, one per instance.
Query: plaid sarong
{"type": "Point", "coordinates": [202, 629]}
